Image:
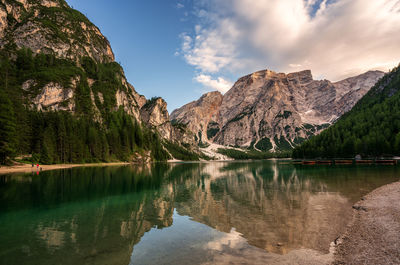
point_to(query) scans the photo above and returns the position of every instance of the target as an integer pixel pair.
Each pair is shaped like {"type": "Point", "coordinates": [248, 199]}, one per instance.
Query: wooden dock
{"type": "Point", "coordinates": [365, 162]}
{"type": "Point", "coordinates": [386, 162]}
{"type": "Point", "coordinates": [343, 162]}
{"type": "Point", "coordinates": [309, 162]}
{"type": "Point", "coordinates": [346, 162]}
{"type": "Point", "coordinates": [324, 162]}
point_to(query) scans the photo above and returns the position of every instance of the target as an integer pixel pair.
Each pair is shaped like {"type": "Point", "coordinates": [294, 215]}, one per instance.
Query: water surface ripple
{"type": "Point", "coordinates": [261, 212]}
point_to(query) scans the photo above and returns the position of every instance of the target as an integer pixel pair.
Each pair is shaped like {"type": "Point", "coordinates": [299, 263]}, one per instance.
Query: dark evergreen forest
{"type": "Point", "coordinates": [60, 136]}
{"type": "Point", "coordinates": [370, 129]}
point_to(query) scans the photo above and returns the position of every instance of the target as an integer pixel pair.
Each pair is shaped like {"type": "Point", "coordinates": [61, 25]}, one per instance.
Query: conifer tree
{"type": "Point", "coordinates": [7, 129]}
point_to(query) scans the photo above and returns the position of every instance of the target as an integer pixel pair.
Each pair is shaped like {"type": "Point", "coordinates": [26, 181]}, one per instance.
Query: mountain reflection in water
{"type": "Point", "coordinates": [179, 213]}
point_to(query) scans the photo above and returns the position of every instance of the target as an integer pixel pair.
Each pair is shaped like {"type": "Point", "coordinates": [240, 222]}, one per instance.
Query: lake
{"type": "Point", "coordinates": [260, 212]}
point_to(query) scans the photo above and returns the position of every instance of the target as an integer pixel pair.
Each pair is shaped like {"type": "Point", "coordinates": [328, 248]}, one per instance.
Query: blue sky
{"type": "Point", "coordinates": [144, 36]}
{"type": "Point", "coordinates": [180, 49]}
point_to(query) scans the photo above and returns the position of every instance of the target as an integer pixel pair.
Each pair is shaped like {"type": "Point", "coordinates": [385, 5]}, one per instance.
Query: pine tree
{"type": "Point", "coordinates": [45, 158]}
{"type": "Point", "coordinates": [7, 129]}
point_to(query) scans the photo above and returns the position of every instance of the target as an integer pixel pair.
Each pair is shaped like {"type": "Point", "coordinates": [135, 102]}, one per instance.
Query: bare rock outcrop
{"type": "Point", "coordinates": [51, 26]}
{"type": "Point", "coordinates": [52, 95]}
{"type": "Point", "coordinates": [269, 110]}
{"type": "Point", "coordinates": [155, 114]}
{"type": "Point", "coordinates": [197, 115]}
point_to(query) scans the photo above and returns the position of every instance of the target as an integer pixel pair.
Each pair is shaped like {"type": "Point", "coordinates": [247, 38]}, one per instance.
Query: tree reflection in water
{"type": "Point", "coordinates": [192, 212]}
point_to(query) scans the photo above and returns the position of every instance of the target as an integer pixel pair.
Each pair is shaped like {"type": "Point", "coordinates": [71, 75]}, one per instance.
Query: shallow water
{"type": "Point", "coordinates": [188, 213]}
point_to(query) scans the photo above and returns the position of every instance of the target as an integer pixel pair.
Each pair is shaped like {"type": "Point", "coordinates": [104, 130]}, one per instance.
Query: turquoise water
{"type": "Point", "coordinates": [188, 213]}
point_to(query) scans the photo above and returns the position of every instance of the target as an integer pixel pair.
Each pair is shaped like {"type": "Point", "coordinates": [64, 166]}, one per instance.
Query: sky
{"type": "Point", "coordinates": [180, 49]}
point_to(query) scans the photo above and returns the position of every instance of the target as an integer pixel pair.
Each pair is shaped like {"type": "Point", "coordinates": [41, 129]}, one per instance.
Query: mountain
{"type": "Point", "coordinates": [63, 98]}
{"type": "Point", "coordinates": [200, 116]}
{"type": "Point", "coordinates": [370, 129]}
{"type": "Point", "coordinates": [51, 27]}
{"type": "Point", "coordinates": [269, 110]}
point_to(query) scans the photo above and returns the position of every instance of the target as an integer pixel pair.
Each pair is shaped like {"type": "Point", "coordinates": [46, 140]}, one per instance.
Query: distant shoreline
{"type": "Point", "coordinates": [27, 168]}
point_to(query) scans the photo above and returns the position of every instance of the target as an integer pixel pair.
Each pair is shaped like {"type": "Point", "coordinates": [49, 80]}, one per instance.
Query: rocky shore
{"type": "Point", "coordinates": [26, 168]}
{"type": "Point", "coordinates": [373, 234]}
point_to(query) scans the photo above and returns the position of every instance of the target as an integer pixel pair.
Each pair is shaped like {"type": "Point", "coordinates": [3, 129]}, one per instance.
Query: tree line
{"type": "Point", "coordinates": [370, 129]}
{"type": "Point", "coordinates": [60, 136]}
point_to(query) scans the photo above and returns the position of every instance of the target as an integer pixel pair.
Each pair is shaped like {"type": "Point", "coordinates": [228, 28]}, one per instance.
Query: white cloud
{"type": "Point", "coordinates": [219, 84]}
{"type": "Point", "coordinates": [186, 43]}
{"type": "Point", "coordinates": [211, 50]}
{"type": "Point", "coordinates": [179, 5]}
{"type": "Point", "coordinates": [333, 38]}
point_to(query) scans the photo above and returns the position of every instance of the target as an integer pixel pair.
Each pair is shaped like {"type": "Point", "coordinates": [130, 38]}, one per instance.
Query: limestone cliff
{"type": "Point", "coordinates": [154, 113]}
{"type": "Point", "coordinates": [51, 26]}
{"type": "Point", "coordinates": [84, 67]}
{"type": "Point", "coordinates": [269, 110]}
{"type": "Point", "coordinates": [200, 114]}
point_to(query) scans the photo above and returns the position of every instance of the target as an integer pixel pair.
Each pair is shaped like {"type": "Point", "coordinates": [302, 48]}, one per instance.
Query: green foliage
{"type": "Point", "coordinates": [7, 129]}
{"type": "Point", "coordinates": [286, 114]}
{"type": "Point", "coordinates": [178, 125]}
{"type": "Point", "coordinates": [180, 152]}
{"type": "Point", "coordinates": [212, 129]}
{"type": "Point", "coordinates": [246, 112]}
{"type": "Point", "coordinates": [251, 154]}
{"type": "Point", "coordinates": [153, 142]}
{"type": "Point", "coordinates": [62, 137]}
{"type": "Point", "coordinates": [264, 144]}
{"type": "Point", "coordinates": [308, 126]}
{"type": "Point", "coordinates": [150, 102]}
{"type": "Point", "coordinates": [282, 143]}
{"type": "Point", "coordinates": [322, 126]}
{"type": "Point", "coordinates": [55, 19]}
{"type": "Point", "coordinates": [370, 129]}
{"type": "Point", "coordinates": [203, 144]}
{"type": "Point", "coordinates": [90, 67]}
{"type": "Point", "coordinates": [43, 68]}
{"type": "Point", "coordinates": [298, 140]}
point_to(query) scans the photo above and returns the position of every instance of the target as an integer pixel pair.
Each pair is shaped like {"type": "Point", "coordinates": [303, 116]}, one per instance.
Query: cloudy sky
{"type": "Point", "coordinates": [183, 48]}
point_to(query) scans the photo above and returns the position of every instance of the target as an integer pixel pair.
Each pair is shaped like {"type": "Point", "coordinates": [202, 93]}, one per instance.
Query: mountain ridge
{"type": "Point", "coordinates": [370, 129]}
{"type": "Point", "coordinates": [274, 110]}
{"type": "Point", "coordinates": [59, 72]}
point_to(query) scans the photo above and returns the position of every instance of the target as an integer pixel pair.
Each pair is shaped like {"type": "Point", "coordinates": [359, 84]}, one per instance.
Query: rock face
{"type": "Point", "coordinates": [52, 27]}
{"type": "Point", "coordinates": [199, 114]}
{"type": "Point", "coordinates": [269, 110]}
{"type": "Point", "coordinates": [351, 90]}
{"type": "Point", "coordinates": [52, 95]}
{"type": "Point", "coordinates": [154, 113]}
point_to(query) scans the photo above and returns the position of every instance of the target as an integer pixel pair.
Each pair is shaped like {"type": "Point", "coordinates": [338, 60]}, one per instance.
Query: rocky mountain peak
{"type": "Point", "coordinates": [269, 110]}
{"type": "Point", "coordinates": [209, 98]}
{"type": "Point", "coordinates": [199, 115]}
{"type": "Point", "coordinates": [82, 76]}
{"type": "Point", "coordinates": [302, 77]}
{"type": "Point", "coordinates": [154, 113]}
{"type": "Point", "coordinates": [51, 26]}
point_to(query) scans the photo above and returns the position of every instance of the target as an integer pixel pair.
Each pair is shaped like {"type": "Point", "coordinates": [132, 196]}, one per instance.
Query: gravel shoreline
{"type": "Point", "coordinates": [25, 168]}
{"type": "Point", "coordinates": [373, 234]}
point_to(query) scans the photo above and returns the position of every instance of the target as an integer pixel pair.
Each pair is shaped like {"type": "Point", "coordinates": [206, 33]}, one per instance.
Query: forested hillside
{"type": "Point", "coordinates": [371, 128]}
{"type": "Point", "coordinates": [61, 136]}
{"type": "Point", "coordinates": [64, 99]}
